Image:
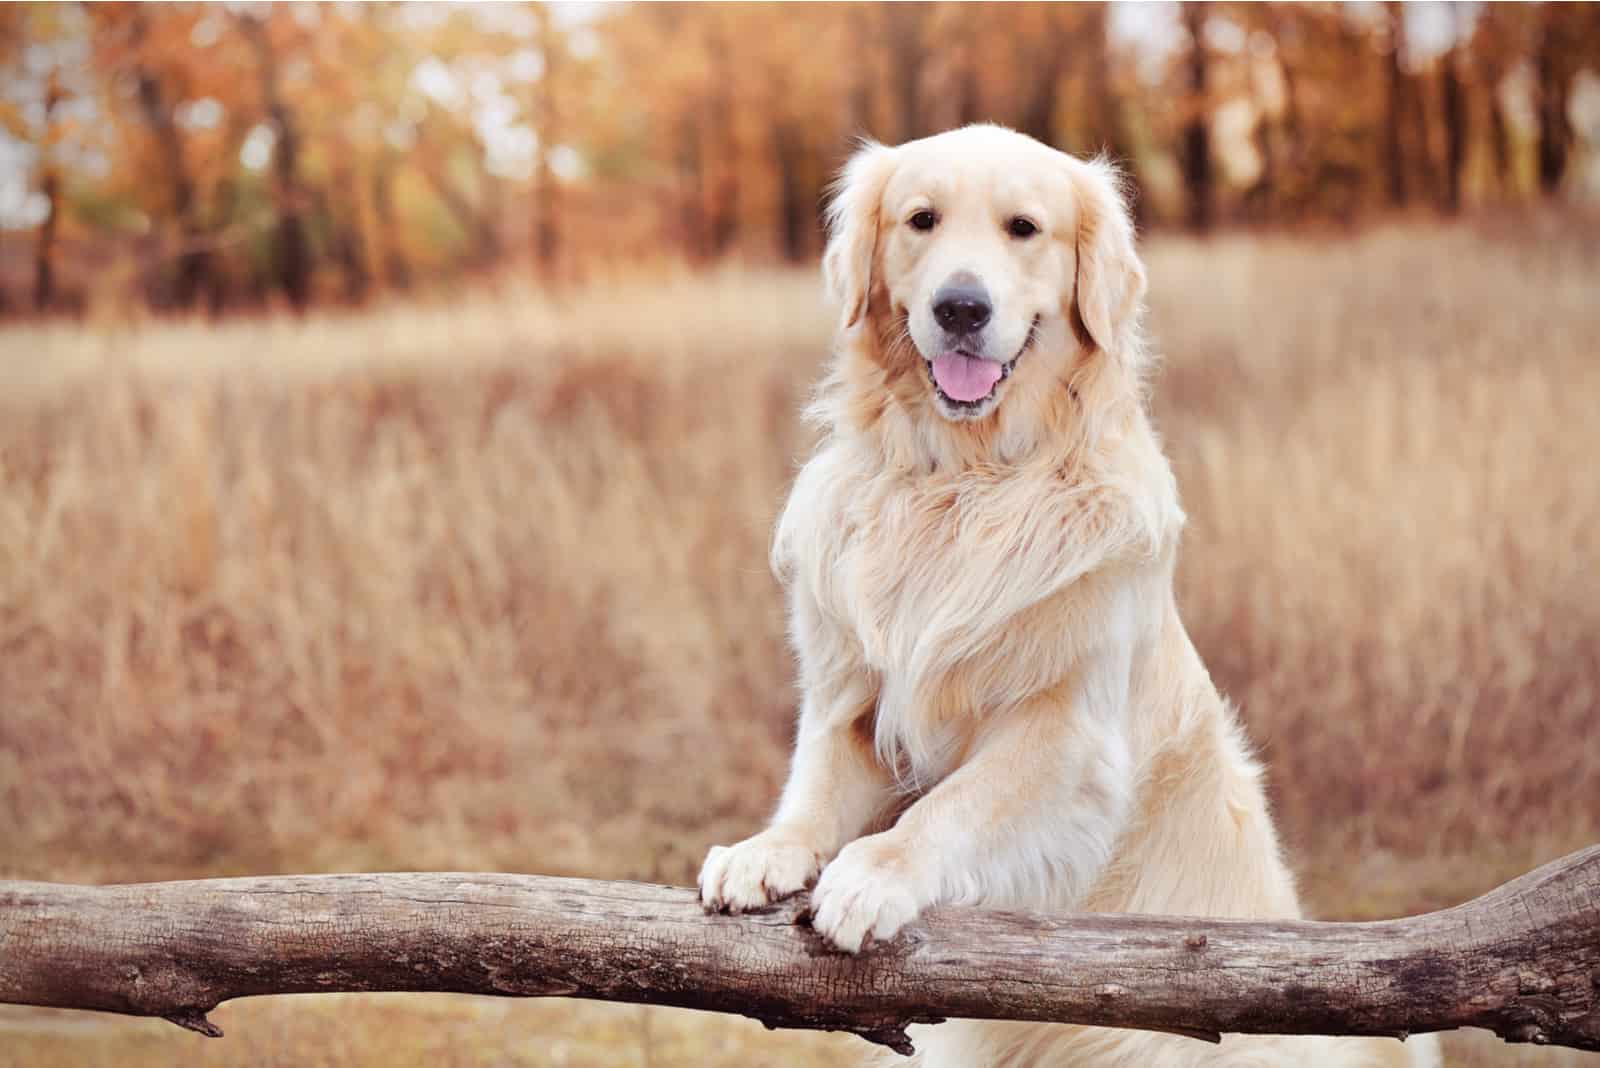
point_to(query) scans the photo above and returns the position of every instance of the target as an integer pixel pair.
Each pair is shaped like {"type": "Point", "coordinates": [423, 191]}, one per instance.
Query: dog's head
{"type": "Point", "coordinates": [993, 261]}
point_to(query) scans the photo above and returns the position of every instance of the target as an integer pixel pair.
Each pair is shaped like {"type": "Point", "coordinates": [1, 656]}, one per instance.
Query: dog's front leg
{"type": "Point", "coordinates": [1029, 819]}
{"type": "Point", "coordinates": [836, 788]}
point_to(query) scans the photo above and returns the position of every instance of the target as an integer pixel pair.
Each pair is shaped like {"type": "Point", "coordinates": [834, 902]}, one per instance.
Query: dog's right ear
{"type": "Point", "coordinates": [853, 223]}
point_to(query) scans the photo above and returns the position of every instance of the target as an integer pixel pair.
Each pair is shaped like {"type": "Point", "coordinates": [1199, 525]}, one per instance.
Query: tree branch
{"type": "Point", "coordinates": [1522, 961]}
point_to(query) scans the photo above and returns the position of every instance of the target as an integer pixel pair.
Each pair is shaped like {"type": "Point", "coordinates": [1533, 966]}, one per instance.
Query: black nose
{"type": "Point", "coordinates": [961, 308]}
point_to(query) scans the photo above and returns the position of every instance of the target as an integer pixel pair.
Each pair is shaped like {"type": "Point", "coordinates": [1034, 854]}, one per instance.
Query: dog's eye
{"type": "Point", "coordinates": [1020, 227]}
{"type": "Point", "coordinates": [924, 220]}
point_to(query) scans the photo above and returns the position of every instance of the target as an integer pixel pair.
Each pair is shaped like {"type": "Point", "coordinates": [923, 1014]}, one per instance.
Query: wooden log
{"type": "Point", "coordinates": [1522, 961]}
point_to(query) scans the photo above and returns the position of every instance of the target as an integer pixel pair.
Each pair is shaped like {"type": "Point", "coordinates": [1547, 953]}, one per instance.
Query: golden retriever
{"type": "Point", "coordinates": [1000, 704]}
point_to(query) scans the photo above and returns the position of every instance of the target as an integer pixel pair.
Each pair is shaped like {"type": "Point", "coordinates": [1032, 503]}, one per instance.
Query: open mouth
{"type": "Point", "coordinates": [965, 383]}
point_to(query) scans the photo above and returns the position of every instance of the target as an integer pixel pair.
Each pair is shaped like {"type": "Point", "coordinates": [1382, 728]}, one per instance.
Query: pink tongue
{"type": "Point", "coordinates": [965, 378]}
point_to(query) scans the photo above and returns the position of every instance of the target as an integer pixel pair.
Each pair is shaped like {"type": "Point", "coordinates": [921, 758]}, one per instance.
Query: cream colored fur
{"type": "Point", "coordinates": [1000, 704]}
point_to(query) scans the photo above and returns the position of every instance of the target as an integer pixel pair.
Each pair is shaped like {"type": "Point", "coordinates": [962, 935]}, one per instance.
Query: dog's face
{"type": "Point", "coordinates": [973, 251]}
{"type": "Point", "coordinates": [985, 247]}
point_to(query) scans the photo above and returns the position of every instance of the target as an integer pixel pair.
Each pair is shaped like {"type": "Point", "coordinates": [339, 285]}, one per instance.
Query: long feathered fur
{"type": "Point", "coordinates": [990, 653]}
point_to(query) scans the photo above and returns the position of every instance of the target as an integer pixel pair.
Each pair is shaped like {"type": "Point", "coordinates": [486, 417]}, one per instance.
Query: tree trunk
{"type": "Point", "coordinates": [194, 252]}
{"type": "Point", "coordinates": [1038, 119]}
{"type": "Point", "coordinates": [44, 274]}
{"type": "Point", "coordinates": [546, 218]}
{"type": "Point", "coordinates": [1500, 142]}
{"type": "Point", "coordinates": [1294, 148]}
{"type": "Point", "coordinates": [222, 220]}
{"type": "Point", "coordinates": [1423, 156]}
{"type": "Point", "coordinates": [44, 249]}
{"type": "Point", "coordinates": [1196, 148]}
{"type": "Point", "coordinates": [722, 161]}
{"type": "Point", "coordinates": [1261, 198]}
{"type": "Point", "coordinates": [794, 216]}
{"type": "Point", "coordinates": [969, 105]}
{"type": "Point", "coordinates": [1520, 961]}
{"type": "Point", "coordinates": [291, 246]}
{"type": "Point", "coordinates": [859, 118]}
{"type": "Point", "coordinates": [341, 215]}
{"type": "Point", "coordinates": [1555, 129]}
{"type": "Point", "coordinates": [1455, 128]}
{"type": "Point", "coordinates": [904, 23]}
{"type": "Point", "coordinates": [1110, 127]}
{"type": "Point", "coordinates": [1394, 115]}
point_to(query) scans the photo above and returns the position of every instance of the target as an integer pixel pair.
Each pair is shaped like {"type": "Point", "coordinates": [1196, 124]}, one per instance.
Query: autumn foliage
{"type": "Point", "coordinates": [182, 156]}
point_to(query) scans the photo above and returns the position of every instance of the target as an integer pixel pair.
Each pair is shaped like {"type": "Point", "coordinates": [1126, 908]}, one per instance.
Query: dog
{"type": "Point", "coordinates": [1000, 705]}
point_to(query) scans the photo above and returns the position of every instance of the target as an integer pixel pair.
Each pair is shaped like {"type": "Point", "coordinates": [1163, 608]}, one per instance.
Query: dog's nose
{"type": "Point", "coordinates": [961, 308]}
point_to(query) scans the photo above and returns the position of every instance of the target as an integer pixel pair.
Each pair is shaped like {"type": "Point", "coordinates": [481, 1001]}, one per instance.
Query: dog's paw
{"type": "Point", "coordinates": [867, 892]}
{"type": "Point", "coordinates": [758, 871]}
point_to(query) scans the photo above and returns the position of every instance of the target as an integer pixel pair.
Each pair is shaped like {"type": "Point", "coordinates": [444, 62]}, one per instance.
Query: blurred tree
{"type": "Point", "coordinates": [1196, 145]}
{"type": "Point", "coordinates": [724, 150]}
{"type": "Point", "coordinates": [146, 47]}
{"type": "Point", "coordinates": [1557, 61]}
{"type": "Point", "coordinates": [807, 110]}
{"type": "Point", "coordinates": [862, 22]}
{"type": "Point", "coordinates": [36, 117]}
{"type": "Point", "coordinates": [795, 216]}
{"type": "Point", "coordinates": [1395, 104]}
{"type": "Point", "coordinates": [1109, 132]}
{"type": "Point", "coordinates": [372, 146]}
{"type": "Point", "coordinates": [44, 285]}
{"type": "Point", "coordinates": [1044, 39]}
{"type": "Point", "coordinates": [969, 102]}
{"type": "Point", "coordinates": [1497, 45]}
{"type": "Point", "coordinates": [1423, 155]}
{"type": "Point", "coordinates": [291, 247]}
{"type": "Point", "coordinates": [1454, 107]}
{"type": "Point", "coordinates": [12, 32]}
{"type": "Point", "coordinates": [903, 24]}
{"type": "Point", "coordinates": [378, 114]}
{"type": "Point", "coordinates": [543, 112]}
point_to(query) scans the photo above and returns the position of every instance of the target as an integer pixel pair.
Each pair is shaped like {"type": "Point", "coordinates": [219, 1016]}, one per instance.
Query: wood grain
{"type": "Point", "coordinates": [1522, 961]}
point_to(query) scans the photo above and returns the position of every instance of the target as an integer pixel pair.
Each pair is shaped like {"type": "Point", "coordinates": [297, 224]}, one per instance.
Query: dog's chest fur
{"type": "Point", "coordinates": [962, 593]}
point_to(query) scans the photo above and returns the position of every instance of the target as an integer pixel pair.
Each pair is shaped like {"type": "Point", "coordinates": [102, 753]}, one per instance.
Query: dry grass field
{"type": "Point", "coordinates": [482, 585]}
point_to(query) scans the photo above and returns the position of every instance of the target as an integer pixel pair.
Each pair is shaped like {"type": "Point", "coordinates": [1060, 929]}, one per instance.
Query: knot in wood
{"type": "Point", "coordinates": [1195, 941]}
{"type": "Point", "coordinates": [1530, 982]}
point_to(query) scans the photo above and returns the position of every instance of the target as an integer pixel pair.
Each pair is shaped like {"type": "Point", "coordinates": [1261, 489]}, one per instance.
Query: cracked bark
{"type": "Point", "coordinates": [1522, 961]}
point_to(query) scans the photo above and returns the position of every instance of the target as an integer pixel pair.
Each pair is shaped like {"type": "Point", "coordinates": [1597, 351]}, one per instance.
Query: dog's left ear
{"type": "Point", "coordinates": [1110, 285]}
{"type": "Point", "coordinates": [853, 222]}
